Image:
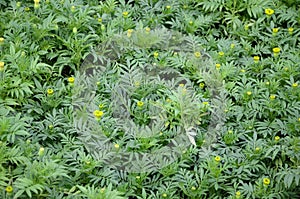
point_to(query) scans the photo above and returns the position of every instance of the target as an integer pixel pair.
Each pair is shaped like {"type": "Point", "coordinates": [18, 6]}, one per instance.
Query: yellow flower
{"type": "Point", "coordinates": [140, 103]}
{"type": "Point", "coordinates": [168, 100]}
{"type": "Point", "coordinates": [137, 177]}
{"type": "Point", "coordinates": [256, 58]}
{"type": "Point", "coordinates": [181, 85]}
{"type": "Point", "coordinates": [27, 9]}
{"type": "Point", "coordinates": [266, 181]}
{"type": "Point", "coordinates": [232, 45]}
{"type": "Point", "coordinates": [102, 190]}
{"type": "Point", "coordinates": [238, 194]}
{"type": "Point", "coordinates": [125, 14]}
{"type": "Point", "coordinates": [221, 53]}
{"type": "Point", "coordinates": [41, 151]}
{"type": "Point", "coordinates": [267, 83]}
{"type": "Point", "coordinates": [201, 85]}
{"type": "Point", "coordinates": [71, 80]}
{"type": "Point", "coordinates": [269, 11]}
{"type": "Point", "coordinates": [197, 54]}
{"type": "Point", "coordinates": [277, 138]}
{"type": "Point", "coordinates": [98, 114]}
{"type": "Point", "coordinates": [218, 66]}
{"type": "Point", "coordinates": [246, 27]}
{"type": "Point", "coordinates": [101, 106]}
{"type": "Point", "coordinates": [257, 149]}
{"type": "Point", "coordinates": [147, 29]}
{"type": "Point", "coordinates": [1, 39]}
{"type": "Point", "coordinates": [294, 85]}
{"type": "Point", "coordinates": [36, 1]}
{"type": "Point", "coordinates": [193, 188]}
{"type": "Point", "coordinates": [205, 103]}
{"type": "Point", "coordinates": [129, 32]}
{"type": "Point", "coordinates": [164, 195]}
{"type": "Point", "coordinates": [276, 50]}
{"type": "Point", "coordinates": [74, 30]}
{"type": "Point", "coordinates": [290, 30]}
{"type": "Point", "coordinates": [1, 65]}
{"type": "Point", "coordinates": [243, 70]}
{"type": "Point", "coordinates": [299, 119]}
{"type": "Point", "coordinates": [191, 22]}
{"type": "Point", "coordinates": [272, 97]}
{"type": "Point", "coordinates": [155, 54]}
{"type": "Point", "coordinates": [36, 5]}
{"type": "Point", "coordinates": [168, 7]}
{"type": "Point", "coordinates": [117, 146]}
{"type": "Point", "coordinates": [275, 30]}
{"type": "Point", "coordinates": [50, 91]}
{"type": "Point", "coordinates": [9, 189]}
{"type": "Point", "coordinates": [217, 158]}
{"type": "Point", "coordinates": [100, 20]}
{"type": "Point", "coordinates": [249, 93]}
{"type": "Point", "coordinates": [73, 8]}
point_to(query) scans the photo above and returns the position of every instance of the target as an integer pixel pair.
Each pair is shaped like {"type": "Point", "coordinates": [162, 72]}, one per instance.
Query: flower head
{"type": "Point", "coordinates": [276, 50]}
{"type": "Point", "coordinates": [277, 138]}
{"type": "Point", "coordinates": [290, 30]}
{"type": "Point", "coordinates": [155, 54]}
{"type": "Point", "coordinates": [9, 189]}
{"type": "Point", "coordinates": [256, 59]}
{"type": "Point", "coordinates": [98, 114]}
{"type": "Point", "coordinates": [1, 65]}
{"type": "Point", "coordinates": [275, 30]}
{"type": "Point", "coordinates": [193, 188]}
{"type": "Point", "coordinates": [238, 194]}
{"type": "Point", "coordinates": [50, 91]}
{"type": "Point", "coordinates": [147, 29]}
{"type": "Point", "coordinates": [249, 93]}
{"type": "Point", "coordinates": [217, 158]}
{"type": "Point", "coordinates": [168, 7]}
{"type": "Point", "coordinates": [221, 53]}
{"type": "Point", "coordinates": [125, 14]}
{"type": "Point", "coordinates": [218, 66]}
{"type": "Point", "coordinates": [201, 85]}
{"type": "Point", "coordinates": [71, 80]}
{"type": "Point", "coordinates": [41, 151]}
{"type": "Point", "coordinates": [1, 40]}
{"type": "Point", "coordinates": [266, 181]}
{"type": "Point", "coordinates": [117, 146]}
{"type": "Point", "coordinates": [197, 54]}
{"type": "Point", "coordinates": [272, 97]}
{"type": "Point", "coordinates": [129, 32]}
{"type": "Point", "coordinates": [269, 11]}
{"type": "Point", "coordinates": [99, 20]}
{"type": "Point", "coordinates": [164, 195]}
{"type": "Point", "coordinates": [294, 85]}
{"type": "Point", "coordinates": [232, 45]}
{"type": "Point", "coordinates": [140, 103]}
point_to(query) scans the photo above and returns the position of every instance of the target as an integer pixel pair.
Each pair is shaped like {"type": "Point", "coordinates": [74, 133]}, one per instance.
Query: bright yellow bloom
{"type": "Point", "coordinates": [140, 103]}
{"type": "Point", "coordinates": [181, 85]}
{"type": "Point", "coordinates": [290, 30]}
{"type": "Point", "coordinates": [155, 54]}
{"type": "Point", "coordinates": [41, 151]}
{"type": "Point", "coordinates": [27, 9]}
{"type": "Point", "coordinates": [277, 138]}
{"type": "Point", "coordinates": [218, 66]}
{"type": "Point", "coordinates": [267, 83]}
{"type": "Point", "coordinates": [197, 54]}
{"type": "Point", "coordinates": [1, 39]}
{"type": "Point", "coordinates": [50, 91]}
{"type": "Point", "coordinates": [193, 188]}
{"type": "Point", "coordinates": [1, 65]}
{"type": "Point", "coordinates": [269, 11]}
{"type": "Point", "coordinates": [266, 181]}
{"type": "Point", "coordinates": [205, 103]}
{"type": "Point", "coordinates": [238, 194]}
{"type": "Point", "coordinates": [221, 53]}
{"type": "Point", "coordinates": [257, 149]}
{"type": "Point", "coordinates": [98, 114]}
{"type": "Point", "coordinates": [168, 7]}
{"type": "Point", "coordinates": [217, 158]}
{"type": "Point", "coordinates": [168, 100]}
{"type": "Point", "coordinates": [201, 85]}
{"type": "Point", "coordinates": [73, 8]}
{"type": "Point", "coordinates": [36, 5]}
{"type": "Point", "coordinates": [249, 93]}
{"type": "Point", "coordinates": [275, 30]}
{"type": "Point", "coordinates": [125, 14]}
{"type": "Point", "coordinates": [117, 146]}
{"type": "Point", "coordinates": [191, 22]}
{"type": "Point", "coordinates": [71, 80]}
{"type": "Point", "coordinates": [9, 189]}
{"type": "Point", "coordinates": [164, 195]}
{"type": "Point", "coordinates": [272, 97]}
{"type": "Point", "coordinates": [276, 50]}
{"type": "Point", "coordinates": [129, 32]}
{"type": "Point", "coordinates": [147, 29]}
{"type": "Point", "coordinates": [294, 85]}
{"type": "Point", "coordinates": [100, 20]}
{"type": "Point", "coordinates": [256, 58]}
{"type": "Point", "coordinates": [299, 119]}
{"type": "Point", "coordinates": [243, 70]}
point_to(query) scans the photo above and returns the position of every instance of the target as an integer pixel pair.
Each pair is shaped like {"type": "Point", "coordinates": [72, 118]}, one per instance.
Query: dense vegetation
{"type": "Point", "coordinates": [150, 99]}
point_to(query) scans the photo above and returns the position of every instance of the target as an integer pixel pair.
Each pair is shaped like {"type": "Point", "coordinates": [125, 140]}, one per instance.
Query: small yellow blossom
{"type": "Point", "coordinates": [290, 30]}
{"type": "Point", "coordinates": [137, 177]}
{"type": "Point", "coordinates": [1, 40]}
{"type": "Point", "coordinates": [73, 8]}
{"type": "Point", "coordinates": [205, 103]}
{"type": "Point", "coordinates": [168, 100]}
{"type": "Point", "coordinates": [269, 11]}
{"type": "Point", "coordinates": [98, 114]}
{"type": "Point", "coordinates": [299, 119]}
{"type": "Point", "coordinates": [243, 70]}
{"type": "Point", "coordinates": [41, 151]}
{"type": "Point", "coordinates": [275, 30]}
{"type": "Point", "coordinates": [50, 126]}
{"type": "Point", "coordinates": [276, 51]}
{"type": "Point", "coordinates": [27, 9]}
{"type": "Point", "coordinates": [193, 188]}
{"type": "Point", "coordinates": [164, 195]}
{"type": "Point", "coordinates": [201, 85]}
{"type": "Point", "coordinates": [168, 7]}
{"type": "Point", "coordinates": [294, 85]}
{"type": "Point", "coordinates": [125, 14]}
{"type": "Point", "coordinates": [217, 158]}
{"type": "Point", "coordinates": [238, 194]}
{"type": "Point", "coordinates": [129, 32]}
{"type": "Point", "coordinates": [272, 97]}
{"type": "Point", "coordinates": [197, 54]}
{"type": "Point", "coordinates": [50, 91]}
{"type": "Point", "coordinates": [36, 5]}
{"type": "Point", "coordinates": [246, 27]}
{"type": "Point", "coordinates": [102, 190]}
{"type": "Point", "coordinates": [267, 83]}
{"type": "Point", "coordinates": [218, 66]}
{"type": "Point", "coordinates": [36, 1]}
{"type": "Point", "coordinates": [256, 59]}
{"type": "Point", "coordinates": [277, 138]}
{"type": "Point", "coordinates": [266, 181]}
{"type": "Point", "coordinates": [257, 149]}
{"type": "Point", "coordinates": [100, 20]}
{"type": "Point", "coordinates": [191, 22]}
{"type": "Point", "coordinates": [9, 189]}
{"type": "Point", "coordinates": [74, 30]}
{"type": "Point", "coordinates": [147, 29]}
{"type": "Point", "coordinates": [155, 54]}
{"type": "Point", "coordinates": [117, 146]}
{"type": "Point", "coordinates": [140, 103]}
{"type": "Point", "coordinates": [249, 93]}
{"type": "Point", "coordinates": [181, 85]}
{"type": "Point", "coordinates": [71, 80]}
{"type": "Point", "coordinates": [221, 53]}
{"type": "Point", "coordinates": [1, 65]}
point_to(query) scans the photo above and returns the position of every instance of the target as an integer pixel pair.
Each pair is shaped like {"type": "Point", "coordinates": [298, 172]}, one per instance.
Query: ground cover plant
{"type": "Point", "coordinates": [150, 99]}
